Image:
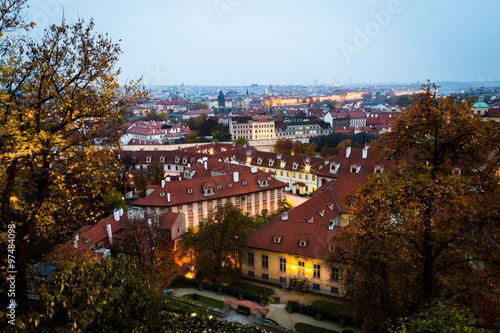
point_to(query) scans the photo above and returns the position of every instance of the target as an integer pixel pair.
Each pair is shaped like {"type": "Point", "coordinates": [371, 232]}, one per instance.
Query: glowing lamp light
{"type": "Point", "coordinates": [193, 314]}
{"type": "Point", "coordinates": [293, 267]}
{"type": "Point", "coordinates": [307, 168]}
{"type": "Point", "coordinates": [308, 269]}
{"type": "Point", "coordinates": [189, 275]}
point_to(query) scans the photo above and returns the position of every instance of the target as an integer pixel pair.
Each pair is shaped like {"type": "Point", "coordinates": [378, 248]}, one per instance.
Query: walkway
{"type": "Point", "coordinates": [277, 312]}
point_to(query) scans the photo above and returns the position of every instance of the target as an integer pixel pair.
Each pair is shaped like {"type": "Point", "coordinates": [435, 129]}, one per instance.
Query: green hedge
{"type": "Point", "coordinates": [227, 290]}
{"type": "Point", "coordinates": [311, 310]}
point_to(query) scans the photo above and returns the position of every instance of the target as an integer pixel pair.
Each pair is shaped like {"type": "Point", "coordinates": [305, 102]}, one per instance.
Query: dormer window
{"type": "Point", "coordinates": [331, 247]}
{"type": "Point", "coordinates": [86, 240]}
{"type": "Point", "coordinates": [148, 159]}
{"type": "Point", "coordinates": [309, 219]}
{"type": "Point", "coordinates": [295, 166]}
{"type": "Point", "coordinates": [308, 159]}
{"type": "Point", "coordinates": [249, 153]}
{"type": "Point", "coordinates": [278, 156]}
{"type": "Point", "coordinates": [243, 183]}
{"type": "Point", "coordinates": [219, 187]}
{"type": "Point", "coordinates": [162, 194]}
{"type": "Point", "coordinates": [162, 158]}
{"type": "Point", "coordinates": [190, 190]}
{"type": "Point", "coordinates": [330, 205]}
{"type": "Point", "coordinates": [229, 185]}
{"type": "Point", "coordinates": [321, 212]}
{"type": "Point", "coordinates": [134, 159]}
{"type": "Point", "coordinates": [379, 168]}
{"type": "Point", "coordinates": [208, 189]}
{"type": "Point", "coordinates": [259, 160]}
{"type": "Point", "coordinates": [184, 160]}
{"type": "Point", "coordinates": [277, 237]}
{"type": "Point", "coordinates": [271, 162]}
{"type": "Point", "coordinates": [356, 168]}
{"type": "Point", "coordinates": [177, 159]}
{"type": "Point", "coordinates": [303, 241]}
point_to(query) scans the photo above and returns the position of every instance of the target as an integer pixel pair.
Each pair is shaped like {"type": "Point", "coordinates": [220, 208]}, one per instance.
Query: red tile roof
{"type": "Point", "coordinates": [292, 232]}
{"type": "Point", "coordinates": [223, 186]}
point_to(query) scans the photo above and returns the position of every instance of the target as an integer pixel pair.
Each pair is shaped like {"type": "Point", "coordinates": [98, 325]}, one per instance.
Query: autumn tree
{"type": "Point", "coordinates": [218, 243]}
{"type": "Point", "coordinates": [422, 230]}
{"type": "Point", "coordinates": [310, 149]}
{"type": "Point", "coordinates": [151, 244]}
{"type": "Point", "coordinates": [97, 296]}
{"type": "Point", "coordinates": [60, 104]}
{"type": "Point", "coordinates": [283, 146]}
{"type": "Point", "coordinates": [241, 141]}
{"type": "Point", "coordinates": [298, 147]}
{"type": "Point", "coordinates": [342, 146]}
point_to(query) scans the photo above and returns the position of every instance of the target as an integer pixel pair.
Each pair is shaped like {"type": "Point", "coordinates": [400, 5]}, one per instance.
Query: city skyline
{"type": "Point", "coordinates": [237, 42]}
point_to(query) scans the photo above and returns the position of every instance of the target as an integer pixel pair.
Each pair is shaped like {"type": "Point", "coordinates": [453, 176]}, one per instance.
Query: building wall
{"type": "Point", "coordinates": [274, 272]}
{"type": "Point", "coordinates": [196, 211]}
{"type": "Point", "coordinates": [252, 131]}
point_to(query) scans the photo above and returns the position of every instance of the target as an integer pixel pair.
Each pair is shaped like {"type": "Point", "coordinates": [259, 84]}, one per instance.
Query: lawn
{"type": "Point", "coordinates": [330, 306]}
{"type": "Point", "coordinates": [205, 300]}
{"type": "Point", "coordinates": [260, 290]}
{"type": "Point", "coordinates": [306, 328]}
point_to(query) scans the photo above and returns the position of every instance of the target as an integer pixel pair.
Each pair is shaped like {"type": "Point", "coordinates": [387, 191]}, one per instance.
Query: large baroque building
{"type": "Point", "coordinates": [296, 245]}
{"type": "Point", "coordinates": [250, 190]}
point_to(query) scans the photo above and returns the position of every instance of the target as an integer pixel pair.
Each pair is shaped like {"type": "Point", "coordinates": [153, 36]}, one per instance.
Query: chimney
{"type": "Point", "coordinates": [116, 215]}
{"type": "Point", "coordinates": [162, 183]}
{"type": "Point", "coordinates": [236, 177]}
{"type": "Point", "coordinates": [75, 241]}
{"type": "Point", "coordinates": [284, 216]}
{"type": "Point", "coordinates": [121, 211]}
{"type": "Point", "coordinates": [348, 152]}
{"type": "Point", "coordinates": [168, 197]}
{"type": "Point", "coordinates": [110, 234]}
{"type": "Point", "coordinates": [365, 153]}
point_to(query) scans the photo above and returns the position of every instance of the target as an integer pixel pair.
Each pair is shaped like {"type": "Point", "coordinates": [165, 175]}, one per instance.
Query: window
{"type": "Point", "coordinates": [200, 207]}
{"type": "Point", "coordinates": [279, 193]}
{"type": "Point", "coordinates": [316, 287]}
{"type": "Point", "coordinates": [190, 209]}
{"type": "Point", "coordinates": [178, 230]}
{"type": "Point", "coordinates": [209, 205]}
{"type": "Point", "coordinates": [334, 290]}
{"type": "Point", "coordinates": [251, 273]}
{"type": "Point", "coordinates": [250, 259]}
{"type": "Point", "coordinates": [283, 280]}
{"type": "Point", "coordinates": [335, 274]}
{"type": "Point", "coordinates": [219, 202]}
{"type": "Point", "coordinates": [283, 265]}
{"type": "Point", "coordinates": [264, 196]}
{"type": "Point", "coordinates": [257, 197]}
{"type": "Point", "coordinates": [265, 262]}
{"type": "Point", "coordinates": [272, 194]}
{"type": "Point", "coordinates": [265, 276]}
{"type": "Point", "coordinates": [317, 271]}
{"type": "Point", "coordinates": [237, 201]}
{"type": "Point", "coordinates": [191, 223]}
{"type": "Point", "coordinates": [162, 210]}
{"type": "Point", "coordinates": [179, 209]}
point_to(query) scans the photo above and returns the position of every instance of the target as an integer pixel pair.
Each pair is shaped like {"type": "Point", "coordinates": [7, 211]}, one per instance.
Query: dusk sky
{"type": "Point", "coordinates": [240, 42]}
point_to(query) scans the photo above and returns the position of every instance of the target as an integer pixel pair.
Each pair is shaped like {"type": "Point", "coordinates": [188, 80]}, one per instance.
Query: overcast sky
{"type": "Point", "coordinates": [240, 42]}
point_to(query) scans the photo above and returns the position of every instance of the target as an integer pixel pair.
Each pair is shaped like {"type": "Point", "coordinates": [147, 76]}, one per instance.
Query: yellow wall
{"type": "Point", "coordinates": [292, 269]}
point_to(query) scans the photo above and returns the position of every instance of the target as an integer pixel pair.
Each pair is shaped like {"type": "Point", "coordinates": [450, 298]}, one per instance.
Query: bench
{"type": "Point", "coordinates": [243, 310]}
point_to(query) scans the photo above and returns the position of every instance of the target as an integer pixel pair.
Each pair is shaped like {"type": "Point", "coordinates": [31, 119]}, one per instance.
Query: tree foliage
{"type": "Point", "coordinates": [59, 101]}
{"type": "Point", "coordinates": [419, 231]}
{"type": "Point", "coordinates": [218, 243]}
{"type": "Point", "coordinates": [93, 296]}
{"type": "Point", "coordinates": [440, 318]}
